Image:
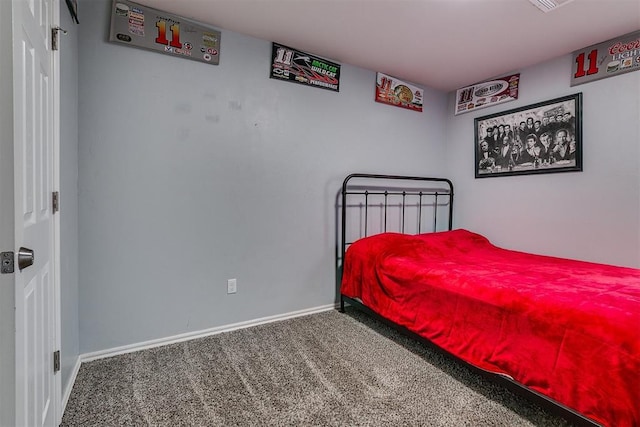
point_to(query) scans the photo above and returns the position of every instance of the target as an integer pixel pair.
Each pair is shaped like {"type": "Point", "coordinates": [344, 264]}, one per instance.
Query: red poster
{"type": "Point", "coordinates": [390, 90]}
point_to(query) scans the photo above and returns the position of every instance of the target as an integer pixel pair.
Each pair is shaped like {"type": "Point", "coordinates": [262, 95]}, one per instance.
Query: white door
{"type": "Point", "coordinates": [37, 388]}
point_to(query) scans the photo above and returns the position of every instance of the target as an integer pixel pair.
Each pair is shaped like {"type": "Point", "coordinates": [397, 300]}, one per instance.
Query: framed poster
{"type": "Point", "coordinates": [392, 91]}
{"type": "Point", "coordinates": [486, 94]}
{"type": "Point", "coordinates": [72, 5]}
{"type": "Point", "coordinates": [143, 27]}
{"type": "Point", "coordinates": [607, 59]}
{"type": "Point", "coordinates": [295, 66]}
{"type": "Point", "coordinates": [540, 138]}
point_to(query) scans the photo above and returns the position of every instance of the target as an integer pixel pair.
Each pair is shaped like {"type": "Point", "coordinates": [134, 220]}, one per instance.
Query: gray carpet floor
{"type": "Point", "coordinates": [326, 369]}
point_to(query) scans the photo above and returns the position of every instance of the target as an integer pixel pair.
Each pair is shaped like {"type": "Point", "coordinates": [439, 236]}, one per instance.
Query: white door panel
{"type": "Point", "coordinates": [37, 398]}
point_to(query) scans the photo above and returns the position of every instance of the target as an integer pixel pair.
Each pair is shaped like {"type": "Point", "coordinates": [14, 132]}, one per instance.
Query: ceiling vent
{"type": "Point", "coordinates": [549, 5]}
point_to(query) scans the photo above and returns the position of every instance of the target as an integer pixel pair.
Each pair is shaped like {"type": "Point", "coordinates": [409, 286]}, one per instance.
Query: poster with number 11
{"type": "Point", "coordinates": [143, 27]}
{"type": "Point", "coordinates": [607, 59]}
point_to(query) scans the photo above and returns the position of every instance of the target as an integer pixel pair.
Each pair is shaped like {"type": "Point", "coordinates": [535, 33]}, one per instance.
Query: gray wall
{"type": "Point", "coordinates": [592, 215]}
{"type": "Point", "coordinates": [191, 174]}
{"type": "Point", "coordinates": [7, 230]}
{"type": "Point", "coordinates": [70, 340]}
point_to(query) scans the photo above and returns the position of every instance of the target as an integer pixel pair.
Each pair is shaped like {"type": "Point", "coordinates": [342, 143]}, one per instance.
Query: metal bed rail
{"type": "Point", "coordinates": [402, 192]}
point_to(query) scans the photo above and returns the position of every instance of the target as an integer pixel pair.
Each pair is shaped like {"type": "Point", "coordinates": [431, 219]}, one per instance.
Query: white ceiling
{"type": "Point", "coordinates": [443, 44]}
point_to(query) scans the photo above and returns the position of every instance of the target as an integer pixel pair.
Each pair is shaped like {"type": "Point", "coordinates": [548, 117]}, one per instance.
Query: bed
{"type": "Point", "coordinates": [563, 332]}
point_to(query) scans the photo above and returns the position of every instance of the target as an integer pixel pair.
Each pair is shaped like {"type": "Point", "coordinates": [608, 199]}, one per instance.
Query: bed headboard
{"type": "Point", "coordinates": [371, 204]}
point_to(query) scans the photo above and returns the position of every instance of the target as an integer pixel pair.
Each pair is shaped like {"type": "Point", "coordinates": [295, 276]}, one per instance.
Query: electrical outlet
{"type": "Point", "coordinates": [231, 286]}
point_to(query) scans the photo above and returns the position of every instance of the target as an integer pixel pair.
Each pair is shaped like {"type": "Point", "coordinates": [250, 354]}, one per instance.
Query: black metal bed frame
{"type": "Point", "coordinates": [426, 193]}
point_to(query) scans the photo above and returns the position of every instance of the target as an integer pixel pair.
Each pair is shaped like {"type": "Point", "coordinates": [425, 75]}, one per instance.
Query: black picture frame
{"type": "Point", "coordinates": [548, 146]}
{"type": "Point", "coordinates": [72, 5]}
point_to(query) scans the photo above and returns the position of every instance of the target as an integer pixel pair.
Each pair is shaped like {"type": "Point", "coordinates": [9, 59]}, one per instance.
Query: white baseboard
{"type": "Point", "coordinates": [103, 354]}
{"type": "Point", "coordinates": [72, 381]}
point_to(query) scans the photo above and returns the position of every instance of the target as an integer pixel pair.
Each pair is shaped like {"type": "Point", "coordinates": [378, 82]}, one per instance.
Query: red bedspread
{"type": "Point", "coordinates": [567, 329]}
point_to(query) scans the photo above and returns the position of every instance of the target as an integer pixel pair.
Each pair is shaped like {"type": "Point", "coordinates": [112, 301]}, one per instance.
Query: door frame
{"type": "Point", "coordinates": [55, 168]}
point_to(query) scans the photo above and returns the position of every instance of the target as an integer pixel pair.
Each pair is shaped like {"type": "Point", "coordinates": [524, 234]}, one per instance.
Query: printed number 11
{"type": "Point", "coordinates": [593, 66]}
{"type": "Point", "coordinates": [283, 56]}
{"type": "Point", "coordinates": [162, 34]}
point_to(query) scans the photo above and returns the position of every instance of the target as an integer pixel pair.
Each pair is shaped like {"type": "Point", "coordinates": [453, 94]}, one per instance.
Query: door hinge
{"type": "Point", "coordinates": [55, 201]}
{"type": "Point", "coordinates": [7, 259]}
{"type": "Point", "coordinates": [56, 361]}
{"type": "Point", "coordinates": [54, 37]}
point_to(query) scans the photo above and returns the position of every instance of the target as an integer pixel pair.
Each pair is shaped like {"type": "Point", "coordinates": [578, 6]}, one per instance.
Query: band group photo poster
{"type": "Point", "coordinates": [540, 138]}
